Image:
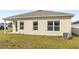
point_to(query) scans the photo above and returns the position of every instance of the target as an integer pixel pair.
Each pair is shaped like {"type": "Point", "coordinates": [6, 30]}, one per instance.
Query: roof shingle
{"type": "Point", "coordinates": [40, 13]}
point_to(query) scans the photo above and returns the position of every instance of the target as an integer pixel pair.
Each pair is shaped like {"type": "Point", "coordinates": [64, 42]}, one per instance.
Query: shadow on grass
{"type": "Point", "coordinates": [74, 35]}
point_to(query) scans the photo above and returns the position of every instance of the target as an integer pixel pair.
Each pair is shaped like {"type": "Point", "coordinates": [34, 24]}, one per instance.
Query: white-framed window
{"type": "Point", "coordinates": [50, 25]}
{"type": "Point", "coordinates": [53, 25]}
{"type": "Point", "coordinates": [35, 25]}
{"type": "Point", "coordinates": [21, 25]}
{"type": "Point", "coordinates": [56, 25]}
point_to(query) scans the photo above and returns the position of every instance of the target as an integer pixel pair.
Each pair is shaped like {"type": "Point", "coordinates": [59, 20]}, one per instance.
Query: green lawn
{"type": "Point", "coordinates": [37, 42]}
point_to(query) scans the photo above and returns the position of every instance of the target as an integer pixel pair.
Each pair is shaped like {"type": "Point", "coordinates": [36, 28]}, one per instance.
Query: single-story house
{"type": "Point", "coordinates": [41, 22]}
{"type": "Point", "coordinates": [75, 27]}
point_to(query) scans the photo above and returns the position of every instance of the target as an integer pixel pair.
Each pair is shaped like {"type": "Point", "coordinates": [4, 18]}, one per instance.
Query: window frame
{"type": "Point", "coordinates": [21, 25]}
{"type": "Point", "coordinates": [35, 27]}
{"type": "Point", "coordinates": [57, 26]}
{"type": "Point", "coordinates": [53, 26]}
{"type": "Point", "coordinates": [50, 26]}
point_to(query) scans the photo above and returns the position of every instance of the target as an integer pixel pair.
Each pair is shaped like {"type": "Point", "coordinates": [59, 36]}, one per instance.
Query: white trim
{"type": "Point", "coordinates": [4, 26]}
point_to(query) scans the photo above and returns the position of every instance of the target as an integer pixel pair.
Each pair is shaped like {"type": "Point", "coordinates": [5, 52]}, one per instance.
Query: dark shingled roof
{"type": "Point", "coordinates": [40, 13]}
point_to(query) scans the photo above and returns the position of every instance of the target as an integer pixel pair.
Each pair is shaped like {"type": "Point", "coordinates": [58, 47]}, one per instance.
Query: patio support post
{"type": "Point", "coordinates": [14, 26]}
{"type": "Point", "coordinates": [4, 26]}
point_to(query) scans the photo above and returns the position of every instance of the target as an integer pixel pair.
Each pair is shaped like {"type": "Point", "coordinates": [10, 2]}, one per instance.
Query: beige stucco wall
{"type": "Point", "coordinates": [65, 26]}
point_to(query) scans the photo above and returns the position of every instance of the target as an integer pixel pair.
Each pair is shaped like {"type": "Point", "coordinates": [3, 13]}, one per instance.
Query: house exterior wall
{"type": "Point", "coordinates": [75, 28]}
{"type": "Point", "coordinates": [65, 27]}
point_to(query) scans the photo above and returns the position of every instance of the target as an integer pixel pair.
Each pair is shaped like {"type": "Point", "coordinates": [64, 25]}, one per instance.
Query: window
{"type": "Point", "coordinates": [56, 26]}
{"type": "Point", "coordinates": [50, 25]}
{"type": "Point", "coordinates": [35, 25]}
{"type": "Point", "coordinates": [53, 25]}
{"type": "Point", "coordinates": [21, 25]}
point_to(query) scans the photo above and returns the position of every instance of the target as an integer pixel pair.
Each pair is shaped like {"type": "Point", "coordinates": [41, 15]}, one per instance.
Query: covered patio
{"type": "Point", "coordinates": [14, 26]}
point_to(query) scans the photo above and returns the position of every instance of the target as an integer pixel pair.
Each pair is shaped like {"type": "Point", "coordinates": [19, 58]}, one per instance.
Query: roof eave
{"type": "Point", "coordinates": [35, 17]}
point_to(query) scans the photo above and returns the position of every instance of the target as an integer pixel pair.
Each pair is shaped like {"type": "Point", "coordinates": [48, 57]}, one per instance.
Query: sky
{"type": "Point", "coordinates": [6, 13]}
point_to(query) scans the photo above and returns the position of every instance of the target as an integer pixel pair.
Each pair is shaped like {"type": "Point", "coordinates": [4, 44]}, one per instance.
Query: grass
{"type": "Point", "coordinates": [16, 41]}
